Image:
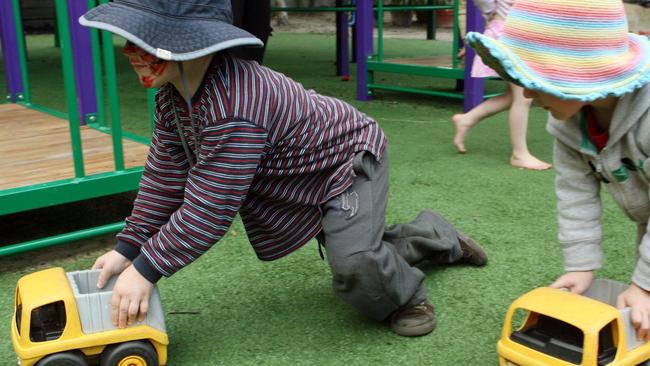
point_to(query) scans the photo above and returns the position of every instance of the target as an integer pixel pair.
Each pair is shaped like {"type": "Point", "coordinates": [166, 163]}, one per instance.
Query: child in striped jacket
{"type": "Point", "coordinates": [233, 137]}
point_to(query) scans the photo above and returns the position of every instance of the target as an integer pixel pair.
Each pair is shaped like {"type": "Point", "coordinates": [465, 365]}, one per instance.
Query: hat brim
{"type": "Point", "coordinates": [511, 68]}
{"type": "Point", "coordinates": [168, 38]}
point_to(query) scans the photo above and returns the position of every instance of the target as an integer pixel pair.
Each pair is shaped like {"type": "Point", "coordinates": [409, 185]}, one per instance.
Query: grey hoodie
{"type": "Point", "coordinates": [622, 166]}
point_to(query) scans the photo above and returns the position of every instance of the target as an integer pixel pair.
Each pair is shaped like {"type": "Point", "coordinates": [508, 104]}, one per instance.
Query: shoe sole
{"type": "Point", "coordinates": [417, 331]}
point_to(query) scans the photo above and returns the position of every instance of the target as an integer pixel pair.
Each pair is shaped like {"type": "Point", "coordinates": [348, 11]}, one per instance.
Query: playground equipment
{"type": "Point", "coordinates": [369, 62]}
{"type": "Point", "coordinates": [64, 319]}
{"type": "Point", "coordinates": [344, 21]}
{"type": "Point", "coordinates": [47, 161]}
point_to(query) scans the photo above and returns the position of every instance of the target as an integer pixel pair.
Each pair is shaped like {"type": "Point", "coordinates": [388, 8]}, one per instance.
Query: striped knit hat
{"type": "Point", "coordinates": [572, 49]}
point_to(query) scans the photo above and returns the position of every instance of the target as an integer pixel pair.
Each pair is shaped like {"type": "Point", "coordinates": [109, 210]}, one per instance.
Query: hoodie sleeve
{"type": "Point", "coordinates": [579, 210]}
{"type": "Point", "coordinates": [641, 274]}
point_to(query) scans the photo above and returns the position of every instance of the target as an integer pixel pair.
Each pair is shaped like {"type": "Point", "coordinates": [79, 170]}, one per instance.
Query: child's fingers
{"type": "Point", "coordinates": [560, 283]}
{"type": "Point", "coordinates": [115, 307]}
{"type": "Point", "coordinates": [122, 312]}
{"type": "Point", "coordinates": [104, 275]}
{"type": "Point", "coordinates": [99, 263]}
{"type": "Point", "coordinates": [644, 331]}
{"type": "Point", "coordinates": [641, 323]}
{"type": "Point", "coordinates": [132, 312]}
{"type": "Point", "coordinates": [144, 307]}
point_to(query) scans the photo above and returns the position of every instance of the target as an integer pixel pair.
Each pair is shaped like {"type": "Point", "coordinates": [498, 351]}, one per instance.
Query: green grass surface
{"type": "Point", "coordinates": [228, 308]}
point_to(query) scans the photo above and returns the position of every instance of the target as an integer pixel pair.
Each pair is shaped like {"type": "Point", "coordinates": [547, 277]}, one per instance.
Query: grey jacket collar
{"type": "Point", "coordinates": [629, 110]}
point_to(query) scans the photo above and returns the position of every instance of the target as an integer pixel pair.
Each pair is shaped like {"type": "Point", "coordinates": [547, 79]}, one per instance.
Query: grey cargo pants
{"type": "Point", "coordinates": [372, 266]}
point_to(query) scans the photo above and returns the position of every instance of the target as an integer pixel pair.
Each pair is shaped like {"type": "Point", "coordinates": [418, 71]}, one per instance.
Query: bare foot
{"type": "Point", "coordinates": [462, 124]}
{"type": "Point", "coordinates": [528, 162]}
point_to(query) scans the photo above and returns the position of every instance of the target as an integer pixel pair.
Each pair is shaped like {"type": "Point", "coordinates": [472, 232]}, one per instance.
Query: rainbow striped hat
{"type": "Point", "coordinates": [572, 49]}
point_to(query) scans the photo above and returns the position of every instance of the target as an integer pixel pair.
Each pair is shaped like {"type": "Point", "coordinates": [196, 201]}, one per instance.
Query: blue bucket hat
{"type": "Point", "coordinates": [175, 30]}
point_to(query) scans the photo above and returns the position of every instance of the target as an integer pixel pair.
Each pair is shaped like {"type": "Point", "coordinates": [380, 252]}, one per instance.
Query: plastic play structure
{"type": "Point", "coordinates": [50, 157]}
{"type": "Point", "coordinates": [448, 67]}
{"type": "Point", "coordinates": [344, 22]}
{"type": "Point", "coordinates": [369, 61]}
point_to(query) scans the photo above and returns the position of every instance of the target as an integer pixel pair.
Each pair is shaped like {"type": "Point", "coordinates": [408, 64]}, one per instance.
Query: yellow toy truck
{"type": "Point", "coordinates": [559, 328]}
{"type": "Point", "coordinates": [64, 319]}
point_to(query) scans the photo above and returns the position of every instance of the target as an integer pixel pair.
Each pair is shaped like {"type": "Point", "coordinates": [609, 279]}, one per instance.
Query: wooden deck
{"type": "Point", "coordinates": [439, 61]}
{"type": "Point", "coordinates": [35, 148]}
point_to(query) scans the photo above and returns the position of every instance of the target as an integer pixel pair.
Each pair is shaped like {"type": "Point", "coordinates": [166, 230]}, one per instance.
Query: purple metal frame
{"type": "Point", "coordinates": [83, 62]}
{"type": "Point", "coordinates": [10, 51]}
{"type": "Point", "coordinates": [473, 86]}
{"type": "Point", "coordinates": [342, 44]}
{"type": "Point", "coordinates": [364, 46]}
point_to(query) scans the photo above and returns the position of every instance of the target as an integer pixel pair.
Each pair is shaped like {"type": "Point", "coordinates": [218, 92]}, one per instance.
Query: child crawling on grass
{"type": "Point", "coordinates": [233, 137]}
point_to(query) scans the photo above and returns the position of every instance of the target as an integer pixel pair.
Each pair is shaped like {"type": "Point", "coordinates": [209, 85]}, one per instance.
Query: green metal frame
{"type": "Point", "coordinates": [82, 186]}
{"type": "Point", "coordinates": [378, 63]}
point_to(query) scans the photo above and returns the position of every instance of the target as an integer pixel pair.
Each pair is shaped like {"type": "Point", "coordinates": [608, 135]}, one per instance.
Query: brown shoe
{"type": "Point", "coordinates": [414, 321]}
{"type": "Point", "coordinates": [472, 252]}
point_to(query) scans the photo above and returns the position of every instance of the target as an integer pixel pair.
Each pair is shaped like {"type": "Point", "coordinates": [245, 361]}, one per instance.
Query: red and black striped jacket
{"type": "Point", "coordinates": [267, 148]}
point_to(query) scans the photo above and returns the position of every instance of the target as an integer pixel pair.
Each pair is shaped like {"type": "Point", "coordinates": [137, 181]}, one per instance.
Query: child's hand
{"type": "Point", "coordinates": [130, 299]}
{"type": "Point", "coordinates": [639, 300]}
{"type": "Point", "coordinates": [111, 263]}
{"type": "Point", "coordinates": [576, 282]}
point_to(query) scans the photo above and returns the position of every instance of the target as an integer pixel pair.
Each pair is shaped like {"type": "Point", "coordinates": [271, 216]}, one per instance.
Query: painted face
{"type": "Point", "coordinates": [559, 108]}
{"type": "Point", "coordinates": [152, 71]}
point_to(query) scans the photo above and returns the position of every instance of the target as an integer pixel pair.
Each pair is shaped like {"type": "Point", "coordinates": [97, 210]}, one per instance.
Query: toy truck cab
{"type": "Point", "coordinates": [63, 319]}
{"type": "Point", "coordinates": [559, 328]}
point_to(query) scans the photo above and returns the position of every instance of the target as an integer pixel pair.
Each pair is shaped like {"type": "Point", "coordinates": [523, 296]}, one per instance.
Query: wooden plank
{"type": "Point", "coordinates": [35, 148]}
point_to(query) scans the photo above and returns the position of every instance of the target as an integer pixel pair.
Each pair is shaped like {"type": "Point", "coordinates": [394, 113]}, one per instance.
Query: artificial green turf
{"type": "Point", "coordinates": [228, 308]}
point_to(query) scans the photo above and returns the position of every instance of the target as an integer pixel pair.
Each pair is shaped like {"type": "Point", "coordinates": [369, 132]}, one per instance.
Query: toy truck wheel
{"type": "Point", "coordinates": [136, 353]}
{"type": "Point", "coordinates": [63, 359]}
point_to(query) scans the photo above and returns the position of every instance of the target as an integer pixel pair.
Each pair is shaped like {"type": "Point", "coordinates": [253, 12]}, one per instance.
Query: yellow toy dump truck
{"type": "Point", "coordinates": [558, 328]}
{"type": "Point", "coordinates": [64, 319]}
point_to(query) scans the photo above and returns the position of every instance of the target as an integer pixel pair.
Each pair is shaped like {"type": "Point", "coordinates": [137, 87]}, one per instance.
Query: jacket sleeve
{"type": "Point", "coordinates": [160, 192]}
{"type": "Point", "coordinates": [216, 186]}
{"type": "Point", "coordinates": [579, 210]}
{"type": "Point", "coordinates": [641, 274]}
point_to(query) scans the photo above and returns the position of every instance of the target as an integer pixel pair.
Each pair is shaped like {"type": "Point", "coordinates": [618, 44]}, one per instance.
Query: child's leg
{"type": "Point", "coordinates": [429, 237]}
{"type": "Point", "coordinates": [518, 121]}
{"type": "Point", "coordinates": [374, 275]}
{"type": "Point", "coordinates": [465, 121]}
{"type": "Point", "coordinates": [367, 272]}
